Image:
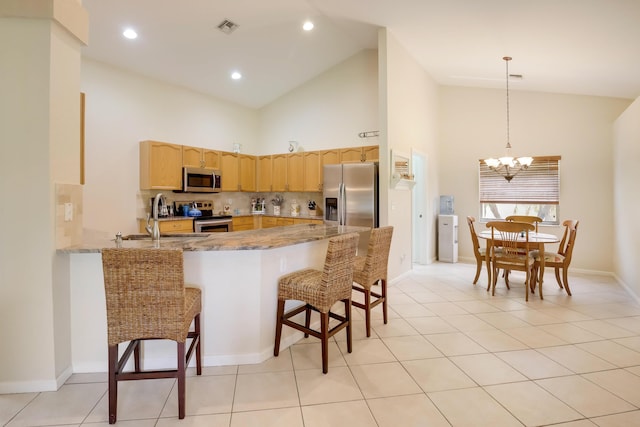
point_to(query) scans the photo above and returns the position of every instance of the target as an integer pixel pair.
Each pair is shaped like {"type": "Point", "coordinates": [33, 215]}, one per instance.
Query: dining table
{"type": "Point", "coordinates": [536, 241]}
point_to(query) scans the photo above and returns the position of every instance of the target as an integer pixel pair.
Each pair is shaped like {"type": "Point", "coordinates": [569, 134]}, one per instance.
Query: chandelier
{"type": "Point", "coordinates": [507, 166]}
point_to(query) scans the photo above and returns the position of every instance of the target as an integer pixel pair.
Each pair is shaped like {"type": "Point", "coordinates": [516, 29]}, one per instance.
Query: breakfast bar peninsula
{"type": "Point", "coordinates": [238, 273]}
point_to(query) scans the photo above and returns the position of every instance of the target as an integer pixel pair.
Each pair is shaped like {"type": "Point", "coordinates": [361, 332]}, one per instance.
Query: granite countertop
{"type": "Point", "coordinates": [266, 238]}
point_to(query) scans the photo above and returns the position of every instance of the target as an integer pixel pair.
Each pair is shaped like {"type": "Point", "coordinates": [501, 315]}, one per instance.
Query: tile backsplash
{"type": "Point", "coordinates": [239, 202]}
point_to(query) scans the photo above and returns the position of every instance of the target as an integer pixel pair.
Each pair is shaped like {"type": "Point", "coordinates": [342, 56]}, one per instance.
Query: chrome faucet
{"type": "Point", "coordinates": [154, 230]}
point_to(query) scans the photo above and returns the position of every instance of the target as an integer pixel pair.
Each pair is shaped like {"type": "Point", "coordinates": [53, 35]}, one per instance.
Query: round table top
{"type": "Point", "coordinates": [533, 237]}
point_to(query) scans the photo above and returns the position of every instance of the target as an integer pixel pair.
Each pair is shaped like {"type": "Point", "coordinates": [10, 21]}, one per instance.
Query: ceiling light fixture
{"type": "Point", "coordinates": [236, 75]}
{"type": "Point", "coordinates": [130, 33]}
{"type": "Point", "coordinates": [508, 166]}
{"type": "Point", "coordinates": [307, 26]}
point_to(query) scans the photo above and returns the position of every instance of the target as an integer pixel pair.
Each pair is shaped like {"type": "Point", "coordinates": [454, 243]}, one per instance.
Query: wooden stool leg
{"type": "Point", "coordinates": [181, 380]}
{"type": "Point", "coordinates": [136, 356]}
{"type": "Point", "coordinates": [307, 319]}
{"type": "Point", "coordinates": [198, 349]}
{"type": "Point", "coordinates": [347, 315]}
{"type": "Point", "coordinates": [113, 383]}
{"type": "Point", "coordinates": [367, 310]}
{"type": "Point", "coordinates": [383, 285]}
{"type": "Point", "coordinates": [280, 313]}
{"type": "Point", "coordinates": [324, 337]}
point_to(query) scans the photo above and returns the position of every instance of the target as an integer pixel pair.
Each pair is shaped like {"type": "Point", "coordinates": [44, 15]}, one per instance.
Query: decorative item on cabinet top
{"type": "Point", "coordinates": [401, 173]}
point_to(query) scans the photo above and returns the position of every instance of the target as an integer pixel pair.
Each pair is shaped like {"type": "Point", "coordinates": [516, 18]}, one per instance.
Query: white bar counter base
{"type": "Point", "coordinates": [238, 273]}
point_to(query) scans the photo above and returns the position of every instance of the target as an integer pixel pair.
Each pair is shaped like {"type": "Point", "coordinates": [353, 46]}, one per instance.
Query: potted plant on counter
{"type": "Point", "coordinates": [277, 202]}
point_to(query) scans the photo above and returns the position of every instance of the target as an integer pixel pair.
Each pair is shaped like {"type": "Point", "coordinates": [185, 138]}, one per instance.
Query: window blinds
{"type": "Point", "coordinates": [539, 184]}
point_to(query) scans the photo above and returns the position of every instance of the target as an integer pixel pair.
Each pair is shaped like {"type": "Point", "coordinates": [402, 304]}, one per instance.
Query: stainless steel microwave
{"type": "Point", "coordinates": [200, 180]}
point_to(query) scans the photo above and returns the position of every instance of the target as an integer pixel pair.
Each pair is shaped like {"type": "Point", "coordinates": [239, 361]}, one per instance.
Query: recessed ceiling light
{"type": "Point", "coordinates": [130, 33]}
{"type": "Point", "coordinates": [236, 75]}
{"type": "Point", "coordinates": [307, 26]}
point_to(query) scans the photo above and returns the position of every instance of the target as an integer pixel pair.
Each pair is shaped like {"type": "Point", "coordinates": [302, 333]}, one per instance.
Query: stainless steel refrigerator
{"type": "Point", "coordinates": [351, 196]}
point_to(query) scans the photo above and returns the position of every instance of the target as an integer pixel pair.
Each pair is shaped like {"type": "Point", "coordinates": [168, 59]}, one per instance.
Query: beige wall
{"type": "Point", "coordinates": [39, 133]}
{"type": "Point", "coordinates": [409, 119]}
{"type": "Point", "coordinates": [326, 112]}
{"type": "Point", "coordinates": [578, 128]}
{"type": "Point", "coordinates": [123, 109]}
{"type": "Point", "coordinates": [626, 203]}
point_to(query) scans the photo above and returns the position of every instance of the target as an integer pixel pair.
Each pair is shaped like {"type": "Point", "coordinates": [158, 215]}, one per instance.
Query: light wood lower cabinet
{"type": "Point", "coordinates": [241, 223]}
{"type": "Point", "coordinates": [170, 226]}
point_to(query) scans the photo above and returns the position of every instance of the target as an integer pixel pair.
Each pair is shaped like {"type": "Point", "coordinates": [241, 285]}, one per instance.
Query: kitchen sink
{"type": "Point", "coordinates": [165, 235]}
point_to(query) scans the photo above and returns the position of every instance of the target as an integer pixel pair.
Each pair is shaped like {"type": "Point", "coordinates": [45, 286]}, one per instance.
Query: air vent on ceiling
{"type": "Point", "coordinates": [227, 26]}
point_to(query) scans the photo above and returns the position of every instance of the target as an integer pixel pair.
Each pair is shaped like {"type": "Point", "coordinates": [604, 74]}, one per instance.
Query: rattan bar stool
{"type": "Point", "coordinates": [146, 299]}
{"type": "Point", "coordinates": [320, 290]}
{"type": "Point", "coordinates": [370, 270]}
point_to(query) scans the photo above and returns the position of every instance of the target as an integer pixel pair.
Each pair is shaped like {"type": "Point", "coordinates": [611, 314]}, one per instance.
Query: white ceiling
{"type": "Point", "coordinates": [589, 47]}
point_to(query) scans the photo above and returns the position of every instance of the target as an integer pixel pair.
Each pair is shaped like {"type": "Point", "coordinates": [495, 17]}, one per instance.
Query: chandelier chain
{"type": "Point", "coordinates": [507, 59]}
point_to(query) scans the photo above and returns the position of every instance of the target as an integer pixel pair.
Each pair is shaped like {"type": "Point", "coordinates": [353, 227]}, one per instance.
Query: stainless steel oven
{"type": "Point", "coordinates": [214, 224]}
{"type": "Point", "coordinates": [210, 221]}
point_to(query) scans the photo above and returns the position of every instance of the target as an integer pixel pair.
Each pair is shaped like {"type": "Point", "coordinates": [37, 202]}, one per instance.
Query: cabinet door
{"type": "Point", "coordinates": [192, 156]}
{"type": "Point", "coordinates": [264, 173]}
{"type": "Point", "coordinates": [330, 157]}
{"type": "Point", "coordinates": [229, 171]}
{"type": "Point", "coordinates": [247, 170]}
{"type": "Point", "coordinates": [279, 172]}
{"type": "Point", "coordinates": [371, 153]}
{"type": "Point", "coordinates": [269, 221]}
{"type": "Point", "coordinates": [351, 155]}
{"type": "Point", "coordinates": [312, 171]}
{"type": "Point", "coordinates": [295, 172]}
{"type": "Point", "coordinates": [160, 166]}
{"type": "Point", "coordinates": [211, 159]}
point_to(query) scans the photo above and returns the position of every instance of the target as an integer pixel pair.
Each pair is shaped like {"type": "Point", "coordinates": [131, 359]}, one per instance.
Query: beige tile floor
{"type": "Point", "coordinates": [451, 355]}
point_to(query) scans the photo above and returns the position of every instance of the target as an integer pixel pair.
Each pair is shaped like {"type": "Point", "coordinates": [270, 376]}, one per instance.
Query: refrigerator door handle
{"type": "Point", "coordinates": [342, 208]}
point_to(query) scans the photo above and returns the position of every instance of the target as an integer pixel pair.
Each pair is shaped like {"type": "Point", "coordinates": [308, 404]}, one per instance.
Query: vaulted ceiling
{"type": "Point", "coordinates": [566, 46]}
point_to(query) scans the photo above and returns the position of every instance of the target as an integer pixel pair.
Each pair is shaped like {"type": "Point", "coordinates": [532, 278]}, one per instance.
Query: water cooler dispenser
{"type": "Point", "coordinates": [448, 238]}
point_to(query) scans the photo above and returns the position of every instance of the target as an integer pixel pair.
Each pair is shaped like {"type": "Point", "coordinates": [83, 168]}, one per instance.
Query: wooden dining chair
{"type": "Point", "coordinates": [509, 250]}
{"type": "Point", "coordinates": [147, 300]}
{"type": "Point", "coordinates": [479, 252]}
{"type": "Point", "coordinates": [535, 220]}
{"type": "Point", "coordinates": [561, 259]}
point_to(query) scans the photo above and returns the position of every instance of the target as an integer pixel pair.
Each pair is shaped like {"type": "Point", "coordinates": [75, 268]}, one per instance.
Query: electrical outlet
{"type": "Point", "coordinates": [68, 212]}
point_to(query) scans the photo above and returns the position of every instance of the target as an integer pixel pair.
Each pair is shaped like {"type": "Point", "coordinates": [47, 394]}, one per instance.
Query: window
{"type": "Point", "coordinates": [534, 191]}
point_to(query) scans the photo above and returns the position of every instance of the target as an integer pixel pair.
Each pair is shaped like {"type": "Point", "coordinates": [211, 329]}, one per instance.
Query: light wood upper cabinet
{"type": "Point", "coordinates": [295, 172]}
{"type": "Point", "coordinates": [371, 153]}
{"type": "Point", "coordinates": [330, 157]}
{"type": "Point", "coordinates": [263, 166]}
{"type": "Point", "coordinates": [247, 171]}
{"type": "Point", "coordinates": [279, 172]}
{"type": "Point", "coordinates": [229, 171]}
{"type": "Point", "coordinates": [238, 172]}
{"type": "Point", "coordinates": [360, 154]}
{"type": "Point", "coordinates": [200, 157]}
{"type": "Point", "coordinates": [160, 166]}
{"type": "Point", "coordinates": [211, 158]}
{"type": "Point", "coordinates": [351, 154]}
{"type": "Point", "coordinates": [312, 171]}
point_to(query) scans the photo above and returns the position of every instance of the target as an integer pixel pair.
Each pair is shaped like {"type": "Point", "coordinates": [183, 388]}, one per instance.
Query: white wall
{"type": "Point", "coordinates": [39, 133]}
{"type": "Point", "coordinates": [326, 112]}
{"type": "Point", "coordinates": [626, 203]}
{"type": "Point", "coordinates": [410, 122]}
{"type": "Point", "coordinates": [578, 128]}
{"type": "Point", "coordinates": [123, 109]}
